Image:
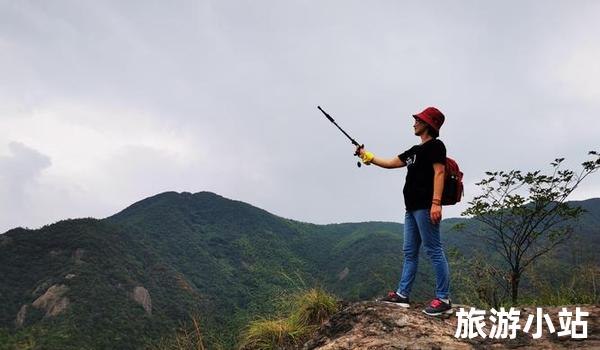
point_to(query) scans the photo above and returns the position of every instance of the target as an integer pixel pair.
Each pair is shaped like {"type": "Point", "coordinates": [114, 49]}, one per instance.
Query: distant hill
{"type": "Point", "coordinates": [125, 281]}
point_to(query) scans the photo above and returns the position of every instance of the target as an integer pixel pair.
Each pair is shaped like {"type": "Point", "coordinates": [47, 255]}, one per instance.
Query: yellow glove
{"type": "Point", "coordinates": [367, 157]}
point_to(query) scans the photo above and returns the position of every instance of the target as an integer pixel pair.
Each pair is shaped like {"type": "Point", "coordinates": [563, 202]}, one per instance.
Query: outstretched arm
{"type": "Point", "coordinates": [391, 163]}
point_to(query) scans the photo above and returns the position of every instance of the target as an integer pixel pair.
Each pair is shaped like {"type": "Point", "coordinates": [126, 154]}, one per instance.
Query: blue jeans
{"type": "Point", "coordinates": [418, 229]}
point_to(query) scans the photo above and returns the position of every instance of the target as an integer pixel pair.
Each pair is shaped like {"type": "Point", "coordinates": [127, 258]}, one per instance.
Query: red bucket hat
{"type": "Point", "coordinates": [432, 116]}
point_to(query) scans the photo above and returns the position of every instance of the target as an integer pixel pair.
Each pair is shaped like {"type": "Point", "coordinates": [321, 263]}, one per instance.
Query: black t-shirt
{"type": "Point", "coordinates": [418, 189]}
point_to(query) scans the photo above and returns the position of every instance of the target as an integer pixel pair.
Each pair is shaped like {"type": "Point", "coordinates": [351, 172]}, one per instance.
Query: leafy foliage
{"type": "Point", "coordinates": [526, 215]}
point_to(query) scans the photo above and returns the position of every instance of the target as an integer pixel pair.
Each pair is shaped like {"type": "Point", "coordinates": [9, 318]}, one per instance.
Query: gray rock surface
{"type": "Point", "coordinates": [382, 326]}
{"type": "Point", "coordinates": [21, 315]}
{"type": "Point", "coordinates": [142, 297]}
{"type": "Point", "coordinates": [53, 301]}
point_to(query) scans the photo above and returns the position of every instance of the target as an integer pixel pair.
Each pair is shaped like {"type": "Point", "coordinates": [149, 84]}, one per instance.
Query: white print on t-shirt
{"type": "Point", "coordinates": [411, 160]}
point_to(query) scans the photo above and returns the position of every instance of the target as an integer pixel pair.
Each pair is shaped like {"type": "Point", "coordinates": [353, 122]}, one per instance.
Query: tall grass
{"type": "Point", "coordinates": [187, 337]}
{"type": "Point", "coordinates": [313, 307]}
{"type": "Point", "coordinates": [272, 334]}
{"type": "Point", "coordinates": [307, 311]}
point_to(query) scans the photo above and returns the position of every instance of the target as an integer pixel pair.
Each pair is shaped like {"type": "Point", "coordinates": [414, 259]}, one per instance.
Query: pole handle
{"type": "Point", "coordinates": [357, 153]}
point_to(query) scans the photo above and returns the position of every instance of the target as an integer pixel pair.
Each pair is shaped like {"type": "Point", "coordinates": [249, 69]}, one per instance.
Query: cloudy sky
{"type": "Point", "coordinates": [104, 103]}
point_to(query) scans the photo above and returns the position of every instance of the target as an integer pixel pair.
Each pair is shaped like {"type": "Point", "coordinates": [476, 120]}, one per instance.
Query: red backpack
{"type": "Point", "coordinates": [453, 185]}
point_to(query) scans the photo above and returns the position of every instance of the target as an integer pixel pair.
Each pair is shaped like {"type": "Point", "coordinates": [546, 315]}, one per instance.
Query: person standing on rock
{"type": "Point", "coordinates": [423, 200]}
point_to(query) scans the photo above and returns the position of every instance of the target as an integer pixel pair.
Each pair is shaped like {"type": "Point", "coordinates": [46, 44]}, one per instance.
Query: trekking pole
{"type": "Point", "coordinates": [357, 153]}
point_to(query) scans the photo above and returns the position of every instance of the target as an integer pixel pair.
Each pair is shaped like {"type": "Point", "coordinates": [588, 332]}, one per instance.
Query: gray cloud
{"type": "Point", "coordinates": [221, 96]}
{"type": "Point", "coordinates": [22, 166]}
{"type": "Point", "coordinates": [19, 172]}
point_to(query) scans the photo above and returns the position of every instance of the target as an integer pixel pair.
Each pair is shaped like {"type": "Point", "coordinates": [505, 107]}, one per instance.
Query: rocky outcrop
{"type": "Point", "coordinates": [142, 297]}
{"type": "Point", "coordinates": [343, 274]}
{"type": "Point", "coordinates": [53, 301]}
{"type": "Point", "coordinates": [21, 315]}
{"type": "Point", "coordinates": [41, 288]}
{"type": "Point", "coordinates": [381, 326]}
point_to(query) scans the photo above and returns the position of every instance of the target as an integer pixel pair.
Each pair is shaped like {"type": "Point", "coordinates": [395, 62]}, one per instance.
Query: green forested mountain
{"type": "Point", "coordinates": [125, 281]}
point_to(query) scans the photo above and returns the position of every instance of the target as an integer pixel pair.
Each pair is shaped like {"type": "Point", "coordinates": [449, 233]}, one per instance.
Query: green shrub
{"type": "Point", "coordinates": [314, 307]}
{"type": "Point", "coordinates": [271, 334]}
{"type": "Point", "coordinates": [307, 311]}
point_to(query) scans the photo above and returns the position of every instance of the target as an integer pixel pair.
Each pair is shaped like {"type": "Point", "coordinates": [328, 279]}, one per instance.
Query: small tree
{"type": "Point", "coordinates": [526, 215]}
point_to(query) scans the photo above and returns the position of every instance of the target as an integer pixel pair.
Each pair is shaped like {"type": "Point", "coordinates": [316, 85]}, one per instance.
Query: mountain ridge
{"type": "Point", "coordinates": [149, 201]}
{"type": "Point", "coordinates": [194, 253]}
